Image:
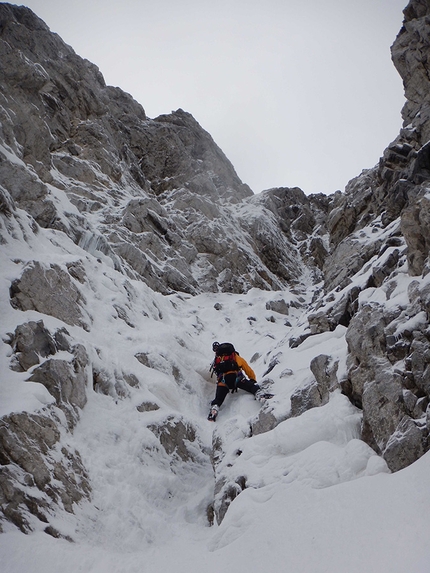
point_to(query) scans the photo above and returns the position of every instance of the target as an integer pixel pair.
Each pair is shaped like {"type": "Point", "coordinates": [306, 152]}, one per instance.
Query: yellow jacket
{"type": "Point", "coordinates": [243, 364]}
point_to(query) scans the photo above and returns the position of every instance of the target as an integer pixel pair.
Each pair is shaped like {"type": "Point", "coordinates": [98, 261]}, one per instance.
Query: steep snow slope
{"type": "Point", "coordinates": [317, 498]}
{"type": "Point", "coordinates": [285, 491]}
{"type": "Point", "coordinates": [312, 487]}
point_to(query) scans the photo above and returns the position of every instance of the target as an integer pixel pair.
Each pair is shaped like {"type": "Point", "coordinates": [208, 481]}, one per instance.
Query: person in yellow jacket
{"type": "Point", "coordinates": [229, 368]}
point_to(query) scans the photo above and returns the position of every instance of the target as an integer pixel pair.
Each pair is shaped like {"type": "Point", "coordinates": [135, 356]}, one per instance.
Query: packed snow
{"type": "Point", "coordinates": [317, 498]}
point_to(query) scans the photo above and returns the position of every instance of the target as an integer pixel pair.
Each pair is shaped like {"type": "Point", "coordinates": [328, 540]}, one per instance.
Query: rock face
{"type": "Point", "coordinates": [83, 168]}
{"type": "Point", "coordinates": [379, 233]}
{"type": "Point", "coordinates": [49, 290]}
{"type": "Point", "coordinates": [317, 392]}
{"type": "Point", "coordinates": [38, 473]}
{"type": "Point", "coordinates": [157, 196]}
{"type": "Point", "coordinates": [38, 470]}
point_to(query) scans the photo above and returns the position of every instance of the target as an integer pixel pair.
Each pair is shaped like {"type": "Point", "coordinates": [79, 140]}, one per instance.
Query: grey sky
{"type": "Point", "coordinates": [296, 92]}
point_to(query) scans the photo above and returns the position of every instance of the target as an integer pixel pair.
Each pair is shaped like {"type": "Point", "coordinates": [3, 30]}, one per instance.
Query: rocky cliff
{"type": "Point", "coordinates": [106, 212]}
{"type": "Point", "coordinates": [378, 237]}
{"type": "Point", "coordinates": [143, 192]}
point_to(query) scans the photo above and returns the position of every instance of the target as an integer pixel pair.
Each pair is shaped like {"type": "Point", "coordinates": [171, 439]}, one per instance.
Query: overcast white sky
{"type": "Point", "coordinates": [295, 92]}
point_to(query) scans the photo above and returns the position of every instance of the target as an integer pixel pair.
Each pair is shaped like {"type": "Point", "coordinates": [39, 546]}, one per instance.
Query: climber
{"type": "Point", "coordinates": [228, 367]}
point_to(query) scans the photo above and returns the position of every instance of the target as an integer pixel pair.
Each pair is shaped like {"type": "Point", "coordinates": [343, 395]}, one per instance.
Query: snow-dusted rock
{"type": "Point", "coordinates": [407, 443]}
{"type": "Point", "coordinates": [38, 472]}
{"type": "Point", "coordinates": [145, 192]}
{"type": "Point", "coordinates": [225, 449]}
{"type": "Point", "coordinates": [415, 227]}
{"type": "Point", "coordinates": [306, 397]}
{"type": "Point", "coordinates": [66, 381]}
{"type": "Point", "coordinates": [177, 437]}
{"type": "Point", "coordinates": [49, 290]}
{"type": "Point", "coordinates": [31, 341]}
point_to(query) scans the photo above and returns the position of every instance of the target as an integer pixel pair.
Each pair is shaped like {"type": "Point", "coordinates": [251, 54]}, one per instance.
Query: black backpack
{"type": "Point", "coordinates": [225, 359]}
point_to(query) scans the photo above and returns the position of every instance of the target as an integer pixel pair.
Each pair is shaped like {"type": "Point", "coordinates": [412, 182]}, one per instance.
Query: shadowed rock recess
{"type": "Point", "coordinates": [158, 201]}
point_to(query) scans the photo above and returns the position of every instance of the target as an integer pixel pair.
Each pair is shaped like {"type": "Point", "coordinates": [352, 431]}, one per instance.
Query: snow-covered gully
{"type": "Point", "coordinates": [122, 241]}
{"type": "Point", "coordinates": [312, 487]}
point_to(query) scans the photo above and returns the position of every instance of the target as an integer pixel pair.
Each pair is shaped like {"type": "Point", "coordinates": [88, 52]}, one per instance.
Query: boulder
{"type": "Point", "coordinates": [279, 306]}
{"type": "Point", "coordinates": [66, 381]}
{"type": "Point", "coordinates": [30, 342]}
{"type": "Point", "coordinates": [176, 436]}
{"type": "Point", "coordinates": [50, 290]}
{"type": "Point", "coordinates": [406, 444]}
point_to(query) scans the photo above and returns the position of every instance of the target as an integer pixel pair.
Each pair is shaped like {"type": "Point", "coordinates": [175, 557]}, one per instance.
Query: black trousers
{"type": "Point", "coordinates": [228, 383]}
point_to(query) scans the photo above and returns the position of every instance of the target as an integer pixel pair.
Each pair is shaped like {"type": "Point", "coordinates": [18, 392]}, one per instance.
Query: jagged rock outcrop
{"type": "Point", "coordinates": [35, 348]}
{"type": "Point", "coordinates": [176, 437]}
{"type": "Point", "coordinates": [303, 220]}
{"type": "Point", "coordinates": [156, 196]}
{"type": "Point", "coordinates": [32, 341]}
{"type": "Point", "coordinates": [379, 238]}
{"type": "Point", "coordinates": [317, 392]}
{"type": "Point", "coordinates": [387, 377]}
{"type": "Point", "coordinates": [49, 290]}
{"type": "Point", "coordinates": [38, 473]}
